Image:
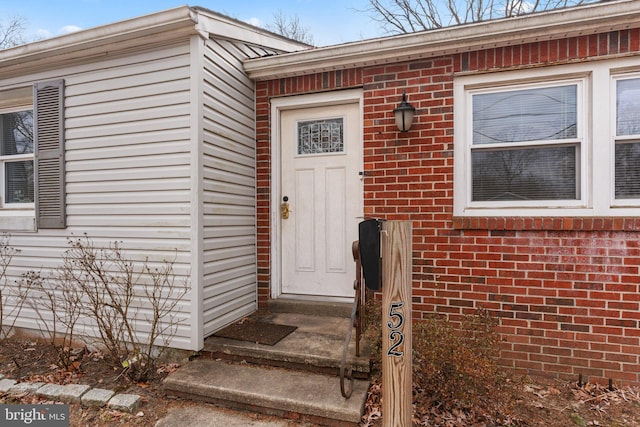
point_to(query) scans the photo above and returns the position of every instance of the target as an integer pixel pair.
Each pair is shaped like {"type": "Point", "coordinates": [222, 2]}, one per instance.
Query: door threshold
{"type": "Point", "coordinates": [314, 298]}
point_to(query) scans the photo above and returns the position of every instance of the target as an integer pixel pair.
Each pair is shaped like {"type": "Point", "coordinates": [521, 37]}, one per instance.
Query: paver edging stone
{"type": "Point", "coordinates": [26, 387]}
{"type": "Point", "coordinates": [6, 384]}
{"type": "Point", "coordinates": [50, 391]}
{"type": "Point", "coordinates": [74, 393]}
{"type": "Point", "coordinates": [97, 397]}
{"type": "Point", "coordinates": [125, 402]}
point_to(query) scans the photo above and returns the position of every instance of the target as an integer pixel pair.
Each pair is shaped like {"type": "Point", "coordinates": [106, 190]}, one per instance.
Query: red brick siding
{"type": "Point", "coordinates": [340, 79]}
{"type": "Point", "coordinates": [566, 290]}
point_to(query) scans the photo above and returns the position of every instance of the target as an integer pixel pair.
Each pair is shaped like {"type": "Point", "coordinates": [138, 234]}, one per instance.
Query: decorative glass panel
{"type": "Point", "coordinates": [540, 114]}
{"type": "Point", "coordinates": [546, 173]}
{"type": "Point", "coordinates": [628, 107]}
{"type": "Point", "coordinates": [19, 182]}
{"type": "Point", "coordinates": [17, 133]}
{"type": "Point", "coordinates": [321, 136]}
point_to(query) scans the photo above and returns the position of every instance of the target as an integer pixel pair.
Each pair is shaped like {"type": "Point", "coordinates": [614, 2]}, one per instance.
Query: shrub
{"type": "Point", "coordinates": [455, 365]}
{"type": "Point", "coordinates": [11, 300]}
{"type": "Point", "coordinates": [121, 298]}
{"type": "Point", "coordinates": [372, 332]}
{"type": "Point", "coordinates": [58, 309]}
{"type": "Point", "coordinates": [131, 306]}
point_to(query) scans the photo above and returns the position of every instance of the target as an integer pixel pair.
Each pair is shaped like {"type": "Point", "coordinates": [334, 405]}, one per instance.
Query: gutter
{"type": "Point", "coordinates": [555, 24]}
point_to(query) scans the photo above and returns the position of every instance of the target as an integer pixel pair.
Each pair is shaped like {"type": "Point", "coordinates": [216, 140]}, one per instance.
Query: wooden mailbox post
{"type": "Point", "coordinates": [396, 323]}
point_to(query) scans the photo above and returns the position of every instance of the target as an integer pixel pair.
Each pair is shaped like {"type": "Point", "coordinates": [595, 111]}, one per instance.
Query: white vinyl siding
{"type": "Point", "coordinates": [128, 171]}
{"type": "Point", "coordinates": [229, 256]}
{"type": "Point", "coordinates": [159, 146]}
{"type": "Point", "coordinates": [159, 156]}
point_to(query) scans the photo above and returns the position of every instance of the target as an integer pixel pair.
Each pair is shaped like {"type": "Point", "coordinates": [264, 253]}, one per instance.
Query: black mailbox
{"type": "Point", "coordinates": [369, 238]}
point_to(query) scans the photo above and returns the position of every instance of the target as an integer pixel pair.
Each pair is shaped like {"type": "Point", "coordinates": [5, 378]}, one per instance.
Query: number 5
{"type": "Point", "coordinates": [399, 316]}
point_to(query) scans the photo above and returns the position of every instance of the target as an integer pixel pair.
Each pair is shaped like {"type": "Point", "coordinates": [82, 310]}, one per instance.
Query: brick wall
{"type": "Point", "coordinates": [566, 290]}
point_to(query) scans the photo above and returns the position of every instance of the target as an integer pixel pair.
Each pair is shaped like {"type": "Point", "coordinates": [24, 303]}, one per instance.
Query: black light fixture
{"type": "Point", "coordinates": [404, 114]}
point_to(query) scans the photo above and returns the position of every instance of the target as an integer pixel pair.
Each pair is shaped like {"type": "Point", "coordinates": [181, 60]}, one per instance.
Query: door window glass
{"type": "Point", "coordinates": [321, 136]}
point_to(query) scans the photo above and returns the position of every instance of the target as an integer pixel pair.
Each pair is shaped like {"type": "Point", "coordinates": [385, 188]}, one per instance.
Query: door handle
{"type": "Point", "coordinates": [284, 208]}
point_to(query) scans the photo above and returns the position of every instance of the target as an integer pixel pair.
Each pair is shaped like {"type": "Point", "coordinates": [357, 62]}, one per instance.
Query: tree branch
{"type": "Point", "coordinates": [406, 16]}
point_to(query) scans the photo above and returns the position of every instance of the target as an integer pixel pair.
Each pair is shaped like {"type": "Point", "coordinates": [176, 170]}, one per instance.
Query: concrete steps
{"type": "Point", "coordinates": [316, 346]}
{"type": "Point", "coordinates": [285, 393]}
{"type": "Point", "coordinates": [297, 378]}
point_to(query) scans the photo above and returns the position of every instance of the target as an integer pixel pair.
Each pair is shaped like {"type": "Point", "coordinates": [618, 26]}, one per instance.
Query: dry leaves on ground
{"type": "Point", "coordinates": [537, 402]}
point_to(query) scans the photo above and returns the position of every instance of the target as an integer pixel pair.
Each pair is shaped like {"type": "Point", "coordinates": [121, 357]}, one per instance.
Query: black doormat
{"type": "Point", "coordinates": [256, 331]}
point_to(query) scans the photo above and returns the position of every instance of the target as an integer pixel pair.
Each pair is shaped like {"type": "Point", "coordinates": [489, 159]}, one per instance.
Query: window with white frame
{"type": "Point", "coordinates": [16, 159]}
{"type": "Point", "coordinates": [627, 138]}
{"type": "Point", "coordinates": [525, 143]}
{"type": "Point", "coordinates": [32, 148]}
{"type": "Point", "coordinates": [553, 141]}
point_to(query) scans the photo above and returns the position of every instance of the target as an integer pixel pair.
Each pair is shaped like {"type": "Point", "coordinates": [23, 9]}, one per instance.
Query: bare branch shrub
{"type": "Point", "coordinates": [164, 294]}
{"type": "Point", "coordinates": [131, 305]}
{"type": "Point", "coordinates": [11, 301]}
{"type": "Point", "coordinates": [51, 296]}
{"type": "Point", "coordinates": [122, 300]}
{"type": "Point", "coordinates": [455, 365]}
{"type": "Point", "coordinates": [104, 279]}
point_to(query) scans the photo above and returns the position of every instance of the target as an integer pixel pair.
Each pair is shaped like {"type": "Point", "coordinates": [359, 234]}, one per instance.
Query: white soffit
{"type": "Point", "coordinates": [561, 23]}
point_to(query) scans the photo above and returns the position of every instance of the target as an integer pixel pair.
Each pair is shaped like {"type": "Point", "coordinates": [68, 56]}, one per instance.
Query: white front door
{"type": "Point", "coordinates": [321, 154]}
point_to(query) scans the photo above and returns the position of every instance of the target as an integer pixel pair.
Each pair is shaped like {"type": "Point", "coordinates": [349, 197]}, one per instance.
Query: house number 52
{"type": "Point", "coordinates": [396, 336]}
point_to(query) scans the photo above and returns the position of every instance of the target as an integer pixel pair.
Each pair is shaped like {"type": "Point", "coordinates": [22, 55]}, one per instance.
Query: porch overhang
{"type": "Point", "coordinates": [555, 24]}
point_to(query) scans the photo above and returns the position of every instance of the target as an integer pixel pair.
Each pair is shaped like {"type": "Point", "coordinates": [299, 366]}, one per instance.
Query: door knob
{"type": "Point", "coordinates": [284, 208]}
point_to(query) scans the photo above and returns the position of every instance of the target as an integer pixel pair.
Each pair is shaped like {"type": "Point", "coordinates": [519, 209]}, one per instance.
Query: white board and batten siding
{"type": "Point", "coordinates": [128, 166]}
{"type": "Point", "coordinates": [229, 191]}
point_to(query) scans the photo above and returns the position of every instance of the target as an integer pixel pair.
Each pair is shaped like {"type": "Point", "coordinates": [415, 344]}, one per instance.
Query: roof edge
{"type": "Point", "coordinates": [559, 23]}
{"type": "Point", "coordinates": [231, 28]}
{"type": "Point", "coordinates": [172, 18]}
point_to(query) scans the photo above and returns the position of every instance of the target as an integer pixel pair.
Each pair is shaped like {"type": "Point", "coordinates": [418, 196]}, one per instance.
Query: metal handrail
{"type": "Point", "coordinates": [356, 320]}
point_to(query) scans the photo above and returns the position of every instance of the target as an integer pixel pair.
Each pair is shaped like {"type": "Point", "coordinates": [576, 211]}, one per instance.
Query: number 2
{"type": "Point", "coordinates": [392, 350]}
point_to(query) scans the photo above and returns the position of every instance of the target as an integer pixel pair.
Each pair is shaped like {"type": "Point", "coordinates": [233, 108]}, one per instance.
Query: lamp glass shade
{"type": "Point", "coordinates": [404, 114]}
{"type": "Point", "coordinates": [404, 118]}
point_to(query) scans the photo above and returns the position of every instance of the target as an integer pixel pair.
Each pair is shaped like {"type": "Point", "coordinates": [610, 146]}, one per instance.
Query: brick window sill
{"type": "Point", "coordinates": [548, 223]}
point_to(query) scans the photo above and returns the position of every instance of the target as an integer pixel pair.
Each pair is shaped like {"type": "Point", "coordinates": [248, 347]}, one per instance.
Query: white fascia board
{"type": "Point", "coordinates": [561, 23]}
{"type": "Point", "coordinates": [215, 25]}
{"type": "Point", "coordinates": [97, 41]}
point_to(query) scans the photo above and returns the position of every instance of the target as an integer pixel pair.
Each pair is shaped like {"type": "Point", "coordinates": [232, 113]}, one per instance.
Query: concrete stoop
{"type": "Point", "coordinates": [297, 395]}
{"type": "Point", "coordinates": [297, 378]}
{"type": "Point", "coordinates": [316, 346]}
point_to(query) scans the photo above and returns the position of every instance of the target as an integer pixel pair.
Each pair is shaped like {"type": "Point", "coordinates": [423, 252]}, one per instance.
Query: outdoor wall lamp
{"type": "Point", "coordinates": [404, 114]}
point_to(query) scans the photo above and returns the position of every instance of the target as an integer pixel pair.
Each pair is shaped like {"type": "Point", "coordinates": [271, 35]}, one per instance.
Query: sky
{"type": "Point", "coordinates": [328, 21]}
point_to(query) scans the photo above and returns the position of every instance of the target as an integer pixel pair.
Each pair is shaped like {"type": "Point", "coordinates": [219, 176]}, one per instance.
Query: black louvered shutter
{"type": "Point", "coordinates": [49, 154]}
